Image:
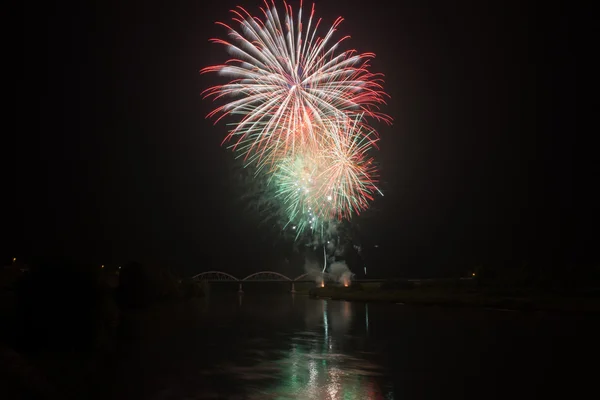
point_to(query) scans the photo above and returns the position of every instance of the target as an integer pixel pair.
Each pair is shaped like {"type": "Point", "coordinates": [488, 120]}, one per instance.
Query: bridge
{"type": "Point", "coordinates": [272, 276]}
{"type": "Point", "coordinates": [262, 276]}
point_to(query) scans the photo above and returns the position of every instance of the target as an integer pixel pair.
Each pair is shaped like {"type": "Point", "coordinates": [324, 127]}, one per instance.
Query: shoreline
{"type": "Point", "coordinates": [416, 297]}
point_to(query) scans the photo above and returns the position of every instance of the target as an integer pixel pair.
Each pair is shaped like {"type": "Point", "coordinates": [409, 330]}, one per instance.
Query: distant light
{"type": "Point", "coordinates": [14, 259]}
{"type": "Point", "coordinates": [102, 266]}
{"type": "Point", "coordinates": [473, 274]}
{"type": "Point", "coordinates": [376, 245]}
{"type": "Point", "coordinates": [322, 284]}
{"type": "Point", "coordinates": [119, 267]}
{"type": "Point", "coordinates": [346, 284]}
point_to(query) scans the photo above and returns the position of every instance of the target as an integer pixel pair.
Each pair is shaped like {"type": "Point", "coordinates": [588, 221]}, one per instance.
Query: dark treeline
{"type": "Point", "coordinates": [63, 304]}
{"type": "Point", "coordinates": [575, 279]}
{"type": "Point", "coordinates": [60, 310]}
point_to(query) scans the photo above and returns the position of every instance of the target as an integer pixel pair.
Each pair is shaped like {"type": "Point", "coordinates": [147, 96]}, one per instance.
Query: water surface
{"type": "Point", "coordinates": [292, 347]}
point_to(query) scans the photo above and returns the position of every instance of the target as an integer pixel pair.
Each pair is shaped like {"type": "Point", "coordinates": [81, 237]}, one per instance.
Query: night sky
{"type": "Point", "coordinates": [114, 161]}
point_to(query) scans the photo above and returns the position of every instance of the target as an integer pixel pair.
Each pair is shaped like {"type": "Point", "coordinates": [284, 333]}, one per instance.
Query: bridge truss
{"type": "Point", "coordinates": [261, 276]}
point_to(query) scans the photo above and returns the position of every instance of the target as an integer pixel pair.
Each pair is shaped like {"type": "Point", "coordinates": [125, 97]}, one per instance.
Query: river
{"type": "Point", "coordinates": [293, 347]}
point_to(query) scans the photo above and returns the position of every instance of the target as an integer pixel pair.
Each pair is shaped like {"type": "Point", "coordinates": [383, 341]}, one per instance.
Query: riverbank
{"type": "Point", "coordinates": [475, 299]}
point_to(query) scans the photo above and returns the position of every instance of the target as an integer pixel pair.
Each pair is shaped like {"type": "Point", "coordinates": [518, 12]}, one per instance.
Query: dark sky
{"type": "Point", "coordinates": [114, 161]}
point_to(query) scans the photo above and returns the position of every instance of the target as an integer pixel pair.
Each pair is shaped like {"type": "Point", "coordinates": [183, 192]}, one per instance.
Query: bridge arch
{"type": "Point", "coordinates": [267, 276]}
{"type": "Point", "coordinates": [301, 277]}
{"type": "Point", "coordinates": [215, 275]}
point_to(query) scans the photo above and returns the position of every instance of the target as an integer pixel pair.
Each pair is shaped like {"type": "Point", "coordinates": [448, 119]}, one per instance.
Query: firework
{"type": "Point", "coordinates": [301, 108]}
{"type": "Point", "coordinates": [333, 182]}
{"type": "Point", "coordinates": [286, 81]}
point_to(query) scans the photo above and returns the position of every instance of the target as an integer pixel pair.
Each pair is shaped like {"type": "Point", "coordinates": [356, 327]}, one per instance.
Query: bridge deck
{"type": "Point", "coordinates": [286, 281]}
{"type": "Point", "coordinates": [272, 276]}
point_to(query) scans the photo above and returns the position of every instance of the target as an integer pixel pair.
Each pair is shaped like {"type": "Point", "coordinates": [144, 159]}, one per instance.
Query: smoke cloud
{"type": "Point", "coordinates": [339, 272]}
{"type": "Point", "coordinates": [336, 272]}
{"type": "Point", "coordinates": [313, 269]}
